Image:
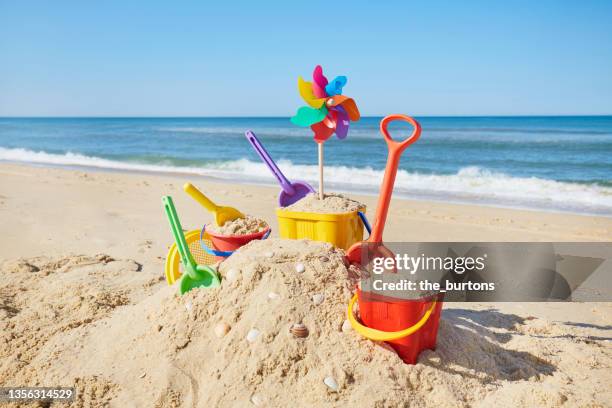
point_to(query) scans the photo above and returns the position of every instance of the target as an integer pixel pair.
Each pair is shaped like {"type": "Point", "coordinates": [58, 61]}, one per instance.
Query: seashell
{"type": "Point", "coordinates": [222, 329]}
{"type": "Point", "coordinates": [252, 335]}
{"type": "Point", "coordinates": [300, 268]}
{"type": "Point", "coordinates": [299, 330]}
{"type": "Point", "coordinates": [318, 298]}
{"type": "Point", "coordinates": [257, 400]}
{"type": "Point", "coordinates": [273, 295]}
{"type": "Point", "coordinates": [269, 254]}
{"type": "Point", "coordinates": [346, 326]}
{"type": "Point", "coordinates": [188, 306]}
{"type": "Point", "coordinates": [231, 275]}
{"type": "Point", "coordinates": [331, 383]}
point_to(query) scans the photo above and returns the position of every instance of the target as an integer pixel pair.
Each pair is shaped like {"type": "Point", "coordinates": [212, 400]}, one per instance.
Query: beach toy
{"type": "Point", "coordinates": [409, 326]}
{"type": "Point", "coordinates": [291, 191]}
{"type": "Point", "coordinates": [341, 230]}
{"type": "Point", "coordinates": [328, 112]}
{"type": "Point", "coordinates": [222, 214]}
{"type": "Point", "coordinates": [195, 275]}
{"type": "Point", "coordinates": [195, 242]}
{"type": "Point", "coordinates": [225, 245]}
{"type": "Point", "coordinates": [221, 246]}
{"type": "Point", "coordinates": [386, 190]}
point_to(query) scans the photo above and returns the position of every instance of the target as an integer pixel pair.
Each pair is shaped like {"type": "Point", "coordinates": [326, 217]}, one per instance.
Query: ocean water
{"type": "Point", "coordinates": [550, 163]}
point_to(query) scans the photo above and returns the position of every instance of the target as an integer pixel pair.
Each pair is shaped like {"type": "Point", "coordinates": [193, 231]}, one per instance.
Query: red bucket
{"type": "Point", "coordinates": [388, 314]}
{"type": "Point", "coordinates": [230, 243]}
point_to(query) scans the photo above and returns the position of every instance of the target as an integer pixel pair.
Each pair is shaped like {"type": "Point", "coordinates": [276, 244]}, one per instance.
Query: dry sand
{"type": "Point", "coordinates": [239, 226]}
{"type": "Point", "coordinates": [331, 204]}
{"type": "Point", "coordinates": [106, 322]}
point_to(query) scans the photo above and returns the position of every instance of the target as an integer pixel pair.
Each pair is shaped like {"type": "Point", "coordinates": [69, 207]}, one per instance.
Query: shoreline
{"type": "Point", "coordinates": [66, 210]}
{"type": "Point", "coordinates": [485, 203]}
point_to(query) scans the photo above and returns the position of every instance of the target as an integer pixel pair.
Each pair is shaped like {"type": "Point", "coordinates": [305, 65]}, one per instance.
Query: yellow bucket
{"type": "Point", "coordinates": [341, 230]}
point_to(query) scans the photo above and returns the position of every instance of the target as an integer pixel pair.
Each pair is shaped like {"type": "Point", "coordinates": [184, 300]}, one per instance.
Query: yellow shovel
{"type": "Point", "coordinates": [222, 214]}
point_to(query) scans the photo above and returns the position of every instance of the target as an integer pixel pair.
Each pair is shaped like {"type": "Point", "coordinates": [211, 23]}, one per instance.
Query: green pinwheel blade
{"type": "Point", "coordinates": [307, 116]}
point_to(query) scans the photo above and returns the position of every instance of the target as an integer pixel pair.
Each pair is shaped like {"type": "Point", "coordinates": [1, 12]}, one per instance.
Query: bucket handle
{"type": "Point", "coordinates": [379, 335]}
{"type": "Point", "coordinates": [365, 222]}
{"type": "Point", "coordinates": [216, 252]}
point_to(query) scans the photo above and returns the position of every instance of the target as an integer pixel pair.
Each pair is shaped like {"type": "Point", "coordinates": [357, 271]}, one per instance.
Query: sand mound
{"type": "Point", "coordinates": [146, 346]}
{"type": "Point", "coordinates": [331, 204]}
{"type": "Point", "coordinates": [45, 301]}
{"type": "Point", "coordinates": [239, 226]}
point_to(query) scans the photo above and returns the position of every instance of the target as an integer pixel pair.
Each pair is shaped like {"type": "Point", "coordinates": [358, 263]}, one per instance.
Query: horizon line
{"type": "Point", "coordinates": [285, 117]}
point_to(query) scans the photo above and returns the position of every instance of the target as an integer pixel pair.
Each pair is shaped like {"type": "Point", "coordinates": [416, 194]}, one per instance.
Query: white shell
{"type": "Point", "coordinates": [318, 298]}
{"type": "Point", "coordinates": [299, 267]}
{"type": "Point", "coordinates": [346, 326]}
{"type": "Point", "coordinates": [269, 254]}
{"type": "Point", "coordinates": [257, 400]}
{"type": "Point", "coordinates": [222, 329]}
{"type": "Point", "coordinates": [273, 295]}
{"type": "Point", "coordinates": [188, 306]}
{"type": "Point", "coordinates": [252, 335]}
{"type": "Point", "coordinates": [231, 275]}
{"type": "Point", "coordinates": [331, 383]}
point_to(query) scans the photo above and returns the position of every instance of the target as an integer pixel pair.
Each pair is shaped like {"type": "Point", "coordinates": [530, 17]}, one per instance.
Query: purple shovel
{"type": "Point", "coordinates": [291, 192]}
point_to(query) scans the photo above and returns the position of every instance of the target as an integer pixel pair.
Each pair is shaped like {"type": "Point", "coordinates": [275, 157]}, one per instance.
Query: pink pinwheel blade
{"type": "Point", "coordinates": [319, 82]}
{"type": "Point", "coordinates": [342, 123]}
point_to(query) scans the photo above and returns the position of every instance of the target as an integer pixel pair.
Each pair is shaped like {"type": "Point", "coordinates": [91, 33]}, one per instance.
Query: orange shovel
{"type": "Point", "coordinates": [396, 149]}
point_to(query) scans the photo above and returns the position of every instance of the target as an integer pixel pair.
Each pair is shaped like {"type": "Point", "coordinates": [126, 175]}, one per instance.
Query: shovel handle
{"type": "Point", "coordinates": [393, 159]}
{"type": "Point", "coordinates": [395, 146]}
{"type": "Point", "coordinates": [265, 156]}
{"type": "Point", "coordinates": [177, 232]}
{"type": "Point", "coordinates": [200, 198]}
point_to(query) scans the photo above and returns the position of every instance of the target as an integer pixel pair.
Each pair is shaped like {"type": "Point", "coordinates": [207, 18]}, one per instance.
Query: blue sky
{"type": "Point", "coordinates": [234, 58]}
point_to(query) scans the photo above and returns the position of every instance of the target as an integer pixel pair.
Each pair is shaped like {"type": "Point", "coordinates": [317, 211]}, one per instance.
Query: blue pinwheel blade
{"type": "Point", "coordinates": [335, 86]}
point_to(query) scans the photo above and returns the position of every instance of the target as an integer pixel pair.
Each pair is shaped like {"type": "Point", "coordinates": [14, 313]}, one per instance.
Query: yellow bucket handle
{"type": "Point", "coordinates": [379, 335]}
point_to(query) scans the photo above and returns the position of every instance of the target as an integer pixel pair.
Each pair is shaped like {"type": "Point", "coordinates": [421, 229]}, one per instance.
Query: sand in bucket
{"type": "Point", "coordinates": [236, 233]}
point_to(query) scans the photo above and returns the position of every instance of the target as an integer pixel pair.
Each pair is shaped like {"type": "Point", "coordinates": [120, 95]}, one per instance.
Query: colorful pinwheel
{"type": "Point", "coordinates": [328, 112]}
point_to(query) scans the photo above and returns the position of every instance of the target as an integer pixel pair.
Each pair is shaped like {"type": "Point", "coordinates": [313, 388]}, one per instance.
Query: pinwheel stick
{"type": "Point", "coordinates": [320, 170]}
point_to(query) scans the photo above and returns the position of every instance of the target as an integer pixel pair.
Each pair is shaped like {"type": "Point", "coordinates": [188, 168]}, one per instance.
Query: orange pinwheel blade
{"type": "Point", "coordinates": [347, 103]}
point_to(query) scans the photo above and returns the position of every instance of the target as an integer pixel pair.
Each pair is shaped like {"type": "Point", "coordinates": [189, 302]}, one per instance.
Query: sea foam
{"type": "Point", "coordinates": [470, 184]}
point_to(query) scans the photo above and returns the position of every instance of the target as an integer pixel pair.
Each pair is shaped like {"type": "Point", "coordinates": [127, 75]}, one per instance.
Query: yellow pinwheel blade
{"type": "Point", "coordinates": [307, 94]}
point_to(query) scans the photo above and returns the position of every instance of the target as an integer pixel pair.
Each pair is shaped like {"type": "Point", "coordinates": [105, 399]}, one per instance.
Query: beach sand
{"type": "Point", "coordinates": [83, 301]}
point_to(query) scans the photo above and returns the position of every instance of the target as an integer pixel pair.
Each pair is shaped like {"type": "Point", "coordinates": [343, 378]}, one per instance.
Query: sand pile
{"type": "Point", "coordinates": [45, 302]}
{"type": "Point", "coordinates": [233, 346]}
{"type": "Point", "coordinates": [331, 204]}
{"type": "Point", "coordinates": [239, 226]}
